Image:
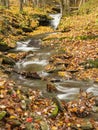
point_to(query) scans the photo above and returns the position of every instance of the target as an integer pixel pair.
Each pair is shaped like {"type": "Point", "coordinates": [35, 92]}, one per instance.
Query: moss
{"type": "Point", "coordinates": [90, 64]}
{"type": "Point", "coordinates": [87, 37]}
{"type": "Point", "coordinates": [54, 112]}
{"type": "Point", "coordinates": [93, 63]}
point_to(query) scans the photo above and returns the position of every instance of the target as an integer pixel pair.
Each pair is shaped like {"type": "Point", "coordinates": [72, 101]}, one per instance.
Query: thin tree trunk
{"type": "Point", "coordinates": [21, 5]}
{"type": "Point", "coordinates": [80, 3]}
{"type": "Point", "coordinates": [75, 2]}
{"type": "Point", "coordinates": [7, 4]}
{"type": "Point", "coordinates": [65, 7]}
{"type": "Point", "coordinates": [3, 2]}
{"type": "Point", "coordinates": [37, 4]}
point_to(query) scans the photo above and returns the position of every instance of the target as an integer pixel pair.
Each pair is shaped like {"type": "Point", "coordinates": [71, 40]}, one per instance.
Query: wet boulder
{"type": "Point", "coordinates": [34, 43]}
{"type": "Point", "coordinates": [27, 29]}
{"type": "Point", "coordinates": [43, 19]}
{"type": "Point", "coordinates": [7, 60]}
{"type": "Point", "coordinates": [4, 47]}
{"type": "Point", "coordinates": [30, 75]}
{"type": "Point", "coordinates": [51, 87]}
{"type": "Point", "coordinates": [96, 101]}
{"type": "Point", "coordinates": [86, 125]}
{"type": "Point", "coordinates": [7, 43]}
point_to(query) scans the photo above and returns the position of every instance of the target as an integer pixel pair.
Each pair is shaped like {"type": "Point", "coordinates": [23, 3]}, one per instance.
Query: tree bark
{"type": "Point", "coordinates": [21, 5]}
{"type": "Point", "coordinates": [65, 6]}
{"type": "Point", "coordinates": [5, 3]}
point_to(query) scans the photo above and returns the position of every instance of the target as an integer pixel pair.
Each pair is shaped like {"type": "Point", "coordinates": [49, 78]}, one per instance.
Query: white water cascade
{"type": "Point", "coordinates": [56, 20]}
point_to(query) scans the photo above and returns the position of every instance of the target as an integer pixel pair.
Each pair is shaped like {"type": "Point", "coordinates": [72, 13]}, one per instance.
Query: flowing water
{"type": "Point", "coordinates": [56, 19]}
{"type": "Point", "coordinates": [36, 62]}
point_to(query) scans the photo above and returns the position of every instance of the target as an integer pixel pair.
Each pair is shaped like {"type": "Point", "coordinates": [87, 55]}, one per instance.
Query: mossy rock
{"type": "Point", "coordinates": [9, 61]}
{"type": "Point", "coordinates": [43, 19]}
{"type": "Point", "coordinates": [27, 29]}
{"type": "Point", "coordinates": [4, 47]}
{"type": "Point", "coordinates": [7, 44]}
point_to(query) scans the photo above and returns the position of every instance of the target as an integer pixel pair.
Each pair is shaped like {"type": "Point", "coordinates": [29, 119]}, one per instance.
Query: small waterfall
{"type": "Point", "coordinates": [23, 46]}
{"type": "Point", "coordinates": [56, 20]}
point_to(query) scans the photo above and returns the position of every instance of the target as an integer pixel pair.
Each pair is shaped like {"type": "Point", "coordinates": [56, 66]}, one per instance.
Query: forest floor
{"type": "Point", "coordinates": [77, 47]}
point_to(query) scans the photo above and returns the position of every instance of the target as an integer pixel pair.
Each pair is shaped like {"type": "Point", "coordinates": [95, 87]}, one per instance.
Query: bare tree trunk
{"type": "Point", "coordinates": [7, 4]}
{"type": "Point", "coordinates": [42, 4]}
{"type": "Point", "coordinates": [82, 2]}
{"type": "Point", "coordinates": [21, 5]}
{"type": "Point", "coordinates": [35, 3]}
{"type": "Point", "coordinates": [65, 7]}
{"type": "Point", "coordinates": [3, 2]}
{"type": "Point", "coordinates": [75, 2]}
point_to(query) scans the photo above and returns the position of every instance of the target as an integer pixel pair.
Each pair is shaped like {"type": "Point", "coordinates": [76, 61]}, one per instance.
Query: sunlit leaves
{"type": "Point", "coordinates": [31, 110]}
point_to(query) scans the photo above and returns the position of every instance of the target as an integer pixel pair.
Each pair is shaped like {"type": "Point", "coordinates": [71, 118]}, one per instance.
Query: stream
{"type": "Point", "coordinates": [36, 62]}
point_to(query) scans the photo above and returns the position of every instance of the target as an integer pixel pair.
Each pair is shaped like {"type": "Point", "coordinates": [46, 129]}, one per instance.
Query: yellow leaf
{"type": "Point", "coordinates": [96, 79]}
{"type": "Point", "coordinates": [1, 87]}
{"type": "Point", "coordinates": [54, 128]}
{"type": "Point", "coordinates": [69, 124]}
{"type": "Point", "coordinates": [12, 117]}
{"type": "Point", "coordinates": [18, 91]}
{"type": "Point", "coordinates": [61, 73]}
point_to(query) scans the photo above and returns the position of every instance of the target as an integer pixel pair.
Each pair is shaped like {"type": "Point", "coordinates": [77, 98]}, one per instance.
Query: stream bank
{"type": "Point", "coordinates": [15, 26]}
{"type": "Point", "coordinates": [28, 103]}
{"type": "Point", "coordinates": [37, 61]}
{"type": "Point", "coordinates": [60, 103]}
